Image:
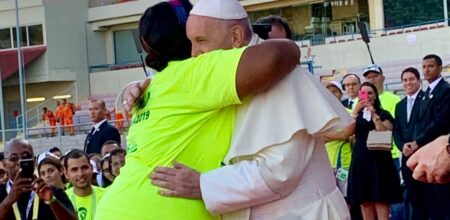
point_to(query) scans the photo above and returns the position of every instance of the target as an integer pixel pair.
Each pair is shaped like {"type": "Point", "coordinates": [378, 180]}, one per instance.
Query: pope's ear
{"type": "Point", "coordinates": [237, 36]}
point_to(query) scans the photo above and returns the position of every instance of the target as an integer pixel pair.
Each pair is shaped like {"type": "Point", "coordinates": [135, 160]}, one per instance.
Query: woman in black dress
{"type": "Point", "coordinates": [373, 181]}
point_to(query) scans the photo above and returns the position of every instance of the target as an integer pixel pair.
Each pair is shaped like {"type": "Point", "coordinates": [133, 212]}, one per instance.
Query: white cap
{"type": "Point", "coordinates": [45, 154]}
{"type": "Point", "coordinates": [221, 9]}
{"type": "Point", "coordinates": [334, 83]}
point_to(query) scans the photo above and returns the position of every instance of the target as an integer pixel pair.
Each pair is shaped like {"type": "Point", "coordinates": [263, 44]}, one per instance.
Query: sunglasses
{"type": "Point", "coordinates": [15, 158]}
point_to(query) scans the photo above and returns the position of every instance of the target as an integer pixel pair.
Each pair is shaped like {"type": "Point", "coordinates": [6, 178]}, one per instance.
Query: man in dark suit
{"type": "Point", "coordinates": [406, 113]}
{"type": "Point", "coordinates": [102, 130]}
{"type": "Point", "coordinates": [432, 122]}
{"type": "Point", "coordinates": [351, 84]}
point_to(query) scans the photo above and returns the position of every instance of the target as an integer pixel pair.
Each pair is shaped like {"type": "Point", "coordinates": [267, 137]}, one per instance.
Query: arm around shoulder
{"type": "Point", "coordinates": [263, 65]}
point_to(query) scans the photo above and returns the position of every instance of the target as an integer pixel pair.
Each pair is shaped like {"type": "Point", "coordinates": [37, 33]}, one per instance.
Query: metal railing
{"type": "Point", "coordinates": [116, 66]}
{"type": "Point", "coordinates": [34, 114]}
{"type": "Point", "coordinates": [60, 133]}
{"type": "Point", "coordinates": [319, 38]}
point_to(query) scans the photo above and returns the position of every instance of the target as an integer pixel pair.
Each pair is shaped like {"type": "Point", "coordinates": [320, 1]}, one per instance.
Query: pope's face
{"type": "Point", "coordinates": [207, 34]}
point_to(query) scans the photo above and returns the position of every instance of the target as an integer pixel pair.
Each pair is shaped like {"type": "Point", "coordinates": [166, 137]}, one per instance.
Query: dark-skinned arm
{"type": "Point", "coordinates": [263, 65]}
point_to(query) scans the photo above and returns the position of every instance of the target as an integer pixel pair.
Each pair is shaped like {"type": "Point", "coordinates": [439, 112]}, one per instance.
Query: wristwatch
{"type": "Point", "coordinates": [52, 200]}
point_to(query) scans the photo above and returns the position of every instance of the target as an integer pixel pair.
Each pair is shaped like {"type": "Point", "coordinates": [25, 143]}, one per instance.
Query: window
{"type": "Point", "coordinates": [23, 33]}
{"type": "Point", "coordinates": [125, 47]}
{"type": "Point", "coordinates": [35, 35]}
{"type": "Point", "coordinates": [5, 38]}
{"type": "Point", "coordinates": [321, 10]}
{"type": "Point", "coordinates": [30, 36]}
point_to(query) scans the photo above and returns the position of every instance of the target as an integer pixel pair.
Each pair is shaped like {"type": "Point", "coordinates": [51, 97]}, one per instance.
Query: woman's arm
{"type": "Point", "coordinates": [380, 125]}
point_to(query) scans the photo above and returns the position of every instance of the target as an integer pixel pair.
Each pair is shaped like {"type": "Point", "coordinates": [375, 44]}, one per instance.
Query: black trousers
{"type": "Point", "coordinates": [415, 195]}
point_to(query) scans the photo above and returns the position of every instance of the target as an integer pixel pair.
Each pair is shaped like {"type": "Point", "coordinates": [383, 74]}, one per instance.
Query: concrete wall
{"type": "Point", "coordinates": [101, 86]}
{"type": "Point", "coordinates": [96, 46]}
{"type": "Point", "coordinates": [120, 10]}
{"type": "Point", "coordinates": [30, 11]}
{"type": "Point", "coordinates": [66, 37]}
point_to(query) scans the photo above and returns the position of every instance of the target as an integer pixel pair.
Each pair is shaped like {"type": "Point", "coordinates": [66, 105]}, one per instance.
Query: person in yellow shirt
{"type": "Point", "coordinates": [82, 194]}
{"type": "Point", "coordinates": [189, 105]}
{"type": "Point", "coordinates": [339, 151]}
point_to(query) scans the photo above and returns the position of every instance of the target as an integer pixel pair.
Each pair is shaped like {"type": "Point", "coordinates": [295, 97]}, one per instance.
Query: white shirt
{"type": "Point", "coordinates": [354, 101]}
{"type": "Point", "coordinates": [413, 96]}
{"type": "Point", "coordinates": [97, 125]}
{"type": "Point", "coordinates": [434, 84]}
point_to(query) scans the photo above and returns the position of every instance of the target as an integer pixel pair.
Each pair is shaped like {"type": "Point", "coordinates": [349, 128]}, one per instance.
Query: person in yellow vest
{"type": "Point", "coordinates": [339, 151]}
{"type": "Point", "coordinates": [374, 74]}
{"type": "Point", "coordinates": [84, 196]}
{"type": "Point", "coordinates": [189, 105]}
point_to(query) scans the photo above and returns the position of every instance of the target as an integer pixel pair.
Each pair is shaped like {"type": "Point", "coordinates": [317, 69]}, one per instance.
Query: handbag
{"type": "Point", "coordinates": [379, 140]}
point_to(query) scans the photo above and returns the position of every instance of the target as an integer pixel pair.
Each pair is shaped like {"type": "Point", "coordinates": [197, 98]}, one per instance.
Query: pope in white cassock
{"type": "Point", "coordinates": [277, 165]}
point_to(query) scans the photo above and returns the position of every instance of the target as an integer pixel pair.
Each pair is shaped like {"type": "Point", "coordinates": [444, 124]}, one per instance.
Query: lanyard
{"type": "Point", "coordinates": [32, 201]}
{"type": "Point", "coordinates": [93, 202]}
{"type": "Point", "coordinates": [339, 156]}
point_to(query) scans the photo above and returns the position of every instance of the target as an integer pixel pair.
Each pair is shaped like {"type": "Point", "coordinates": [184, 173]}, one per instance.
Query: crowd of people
{"type": "Point", "coordinates": [373, 178]}
{"type": "Point", "coordinates": [63, 116]}
{"type": "Point", "coordinates": [216, 136]}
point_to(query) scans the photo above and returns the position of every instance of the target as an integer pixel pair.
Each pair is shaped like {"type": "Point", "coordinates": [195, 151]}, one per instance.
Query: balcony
{"type": "Point", "coordinates": [98, 3]}
{"type": "Point", "coordinates": [106, 13]}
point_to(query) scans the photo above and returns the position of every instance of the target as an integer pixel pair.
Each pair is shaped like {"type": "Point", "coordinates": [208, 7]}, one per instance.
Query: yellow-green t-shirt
{"type": "Point", "coordinates": [345, 157]}
{"type": "Point", "coordinates": [85, 206]}
{"type": "Point", "coordinates": [345, 148]}
{"type": "Point", "coordinates": [388, 102]}
{"type": "Point", "coordinates": [185, 115]}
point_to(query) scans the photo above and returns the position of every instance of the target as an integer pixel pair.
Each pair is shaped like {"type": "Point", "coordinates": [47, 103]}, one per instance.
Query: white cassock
{"type": "Point", "coordinates": [279, 166]}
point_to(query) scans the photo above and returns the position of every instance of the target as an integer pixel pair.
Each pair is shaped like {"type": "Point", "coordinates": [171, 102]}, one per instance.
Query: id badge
{"type": "Point", "coordinates": [342, 174]}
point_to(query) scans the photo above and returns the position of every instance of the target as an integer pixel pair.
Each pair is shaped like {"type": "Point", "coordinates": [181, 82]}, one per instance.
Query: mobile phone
{"type": "Point", "coordinates": [362, 95]}
{"type": "Point", "coordinates": [27, 168]}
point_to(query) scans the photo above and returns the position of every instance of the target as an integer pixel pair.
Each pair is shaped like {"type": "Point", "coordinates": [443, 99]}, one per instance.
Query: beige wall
{"type": "Point", "coordinates": [28, 15]}
{"type": "Point", "coordinates": [384, 49]}
{"type": "Point", "coordinates": [341, 12]}
{"type": "Point", "coordinates": [120, 10]}
{"type": "Point", "coordinates": [110, 82]}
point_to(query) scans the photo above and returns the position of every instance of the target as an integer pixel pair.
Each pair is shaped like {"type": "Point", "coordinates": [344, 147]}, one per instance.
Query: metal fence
{"type": "Point", "coordinates": [45, 136]}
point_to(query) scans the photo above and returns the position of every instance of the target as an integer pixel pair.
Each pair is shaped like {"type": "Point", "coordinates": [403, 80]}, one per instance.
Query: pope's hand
{"type": "Point", "coordinates": [179, 181]}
